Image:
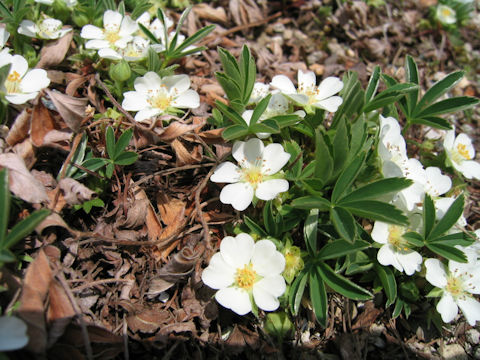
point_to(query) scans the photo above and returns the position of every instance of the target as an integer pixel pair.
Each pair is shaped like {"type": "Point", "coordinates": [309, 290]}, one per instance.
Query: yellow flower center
{"type": "Point", "coordinates": [12, 84]}
{"type": "Point", "coordinates": [112, 37]}
{"type": "Point", "coordinates": [395, 238]}
{"type": "Point", "coordinates": [253, 176]}
{"type": "Point", "coordinates": [455, 286]}
{"type": "Point", "coordinates": [245, 278]}
{"type": "Point", "coordinates": [463, 151]}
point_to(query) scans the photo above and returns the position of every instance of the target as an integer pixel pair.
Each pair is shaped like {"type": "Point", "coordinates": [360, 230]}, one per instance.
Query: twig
{"type": "Point", "coordinates": [98, 282]}
{"type": "Point", "coordinates": [198, 208]}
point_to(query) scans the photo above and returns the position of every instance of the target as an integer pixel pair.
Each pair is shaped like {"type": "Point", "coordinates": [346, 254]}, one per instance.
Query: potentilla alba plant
{"type": "Point", "coordinates": [154, 95]}
{"type": "Point", "coordinates": [246, 274]}
{"type": "Point", "coordinates": [309, 95]}
{"type": "Point", "coordinates": [135, 50]}
{"type": "Point", "coordinates": [446, 15]}
{"type": "Point", "coordinates": [117, 31]}
{"type": "Point", "coordinates": [21, 84]}
{"type": "Point", "coordinates": [460, 153]}
{"type": "Point", "coordinates": [458, 283]}
{"type": "Point", "coordinates": [258, 174]}
{"type": "Point", "coordinates": [47, 29]}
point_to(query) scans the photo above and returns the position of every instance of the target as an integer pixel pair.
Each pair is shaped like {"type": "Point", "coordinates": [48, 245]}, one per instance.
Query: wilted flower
{"type": "Point", "coordinates": [47, 29]}
{"type": "Point", "coordinates": [22, 84]}
{"type": "Point", "coordinates": [244, 271]}
{"type": "Point", "coordinates": [446, 15]}
{"type": "Point", "coordinates": [154, 95]}
{"type": "Point", "coordinates": [460, 152]}
{"type": "Point", "coordinates": [459, 282]}
{"type": "Point", "coordinates": [13, 333]}
{"type": "Point", "coordinates": [255, 176]}
{"type": "Point", "coordinates": [308, 94]}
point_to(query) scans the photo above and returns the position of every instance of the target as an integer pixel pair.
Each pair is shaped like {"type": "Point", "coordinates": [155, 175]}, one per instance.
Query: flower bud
{"type": "Point", "coordinates": [120, 72]}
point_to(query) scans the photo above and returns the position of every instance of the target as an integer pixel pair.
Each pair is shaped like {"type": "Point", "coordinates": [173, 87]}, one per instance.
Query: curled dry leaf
{"type": "Point", "coordinates": [71, 109]}
{"type": "Point", "coordinates": [170, 208]}
{"type": "Point", "coordinates": [41, 124]}
{"type": "Point", "coordinates": [176, 129]}
{"type": "Point", "coordinates": [207, 12]}
{"type": "Point", "coordinates": [184, 156]}
{"type": "Point", "coordinates": [54, 219]}
{"type": "Point", "coordinates": [54, 52]}
{"type": "Point", "coordinates": [75, 192]}
{"type": "Point", "coordinates": [26, 151]}
{"type": "Point", "coordinates": [60, 312]}
{"type": "Point", "coordinates": [20, 127]}
{"type": "Point", "coordinates": [21, 182]}
{"type": "Point", "coordinates": [181, 264]}
{"type": "Point", "coordinates": [36, 285]}
{"type": "Point", "coordinates": [58, 139]}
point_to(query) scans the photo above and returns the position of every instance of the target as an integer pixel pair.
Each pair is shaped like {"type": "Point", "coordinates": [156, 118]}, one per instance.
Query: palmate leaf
{"type": "Point", "coordinates": [318, 296]}
{"type": "Point", "coordinates": [387, 278]}
{"type": "Point", "coordinates": [341, 284]}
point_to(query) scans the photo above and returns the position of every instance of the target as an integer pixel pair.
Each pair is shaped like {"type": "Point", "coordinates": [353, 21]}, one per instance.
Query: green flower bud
{"type": "Point", "coordinates": [120, 72]}
{"type": "Point", "coordinates": [293, 262]}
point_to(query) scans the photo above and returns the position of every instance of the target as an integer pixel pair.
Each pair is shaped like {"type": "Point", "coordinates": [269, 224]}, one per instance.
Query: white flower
{"type": "Point", "coordinates": [255, 176]}
{"type": "Point", "coordinates": [458, 283]}
{"type": "Point", "coordinates": [47, 29]}
{"type": "Point", "coordinates": [260, 90]}
{"type": "Point", "coordinates": [22, 84]}
{"type": "Point", "coordinates": [308, 94]}
{"type": "Point", "coordinates": [116, 33]}
{"type": "Point", "coordinates": [13, 333]}
{"type": "Point", "coordinates": [436, 183]}
{"type": "Point", "coordinates": [155, 27]}
{"type": "Point", "coordinates": [446, 15]}
{"type": "Point", "coordinates": [136, 50]}
{"type": "Point", "coordinates": [244, 269]}
{"type": "Point", "coordinates": [154, 95]}
{"type": "Point", "coordinates": [460, 152]}
{"type": "Point", "coordinates": [4, 35]}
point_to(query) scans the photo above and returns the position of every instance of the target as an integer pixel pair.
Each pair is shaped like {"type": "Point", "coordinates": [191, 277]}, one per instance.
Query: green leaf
{"type": "Point", "coordinates": [411, 74]}
{"type": "Point", "coordinates": [433, 121]}
{"type": "Point", "coordinates": [341, 284]}
{"type": "Point", "coordinates": [450, 105]}
{"type": "Point", "coordinates": [94, 164]}
{"type": "Point", "coordinates": [449, 219]}
{"type": "Point", "coordinates": [428, 215]}
{"type": "Point", "coordinates": [259, 109]}
{"type": "Point", "coordinates": [296, 155]}
{"type": "Point", "coordinates": [311, 202]}
{"type": "Point", "coordinates": [389, 96]}
{"type": "Point", "coordinates": [5, 13]}
{"type": "Point", "coordinates": [376, 210]}
{"type": "Point", "coordinates": [109, 170]}
{"type": "Point", "coordinates": [110, 142]}
{"type": "Point", "coordinates": [24, 227]}
{"type": "Point", "coordinates": [296, 292]}
{"type": "Point", "coordinates": [286, 120]}
{"type": "Point", "coordinates": [4, 204]}
{"type": "Point", "coordinates": [310, 231]}
{"type": "Point", "coordinates": [234, 132]}
{"type": "Point", "coordinates": [199, 35]}
{"type": "Point", "coordinates": [439, 88]}
{"type": "Point", "coordinates": [122, 142]}
{"type": "Point", "coordinates": [248, 72]}
{"type": "Point", "coordinates": [269, 220]}
{"type": "Point", "coordinates": [353, 97]}
{"type": "Point", "coordinates": [460, 238]}
{"type": "Point", "coordinates": [339, 248]}
{"type": "Point", "coordinates": [398, 308]}
{"type": "Point", "coordinates": [377, 188]}
{"type": "Point", "coordinates": [344, 223]}
{"type": "Point", "coordinates": [318, 296]}
{"type": "Point", "coordinates": [324, 165]}
{"type": "Point", "coordinates": [148, 34]}
{"type": "Point", "coordinates": [232, 114]}
{"type": "Point", "coordinates": [231, 88]}
{"type": "Point", "coordinates": [126, 158]}
{"type": "Point", "coordinates": [340, 147]}
{"type": "Point", "coordinates": [447, 251]}
{"type": "Point", "coordinates": [347, 177]}
{"type": "Point", "coordinates": [268, 125]}
{"type": "Point", "coordinates": [373, 84]}
{"type": "Point", "coordinates": [6, 256]}
{"type": "Point", "coordinates": [254, 227]}
{"type": "Point", "coordinates": [414, 239]}
{"type": "Point", "coordinates": [4, 70]}
{"type": "Point", "coordinates": [387, 278]}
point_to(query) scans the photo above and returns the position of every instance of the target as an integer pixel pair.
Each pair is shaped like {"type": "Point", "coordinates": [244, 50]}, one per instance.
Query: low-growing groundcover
{"type": "Point", "coordinates": [297, 179]}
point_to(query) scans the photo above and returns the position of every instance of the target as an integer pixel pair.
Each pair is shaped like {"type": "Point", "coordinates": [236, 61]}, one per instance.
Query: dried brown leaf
{"type": "Point", "coordinates": [71, 109]}
{"type": "Point", "coordinates": [21, 182]}
{"type": "Point", "coordinates": [149, 320]}
{"type": "Point", "coordinates": [54, 219]}
{"type": "Point", "coordinates": [54, 52]}
{"type": "Point", "coordinates": [170, 208]}
{"type": "Point", "coordinates": [20, 127]}
{"type": "Point", "coordinates": [179, 327]}
{"type": "Point", "coordinates": [136, 214]}
{"type": "Point", "coordinates": [154, 227]}
{"type": "Point", "coordinates": [42, 122]}
{"type": "Point", "coordinates": [59, 139]}
{"type": "Point", "coordinates": [74, 192]}
{"type": "Point", "coordinates": [180, 265]}
{"type": "Point", "coordinates": [367, 317]}
{"type": "Point", "coordinates": [59, 313]}
{"type": "Point", "coordinates": [74, 84]}
{"type": "Point", "coordinates": [176, 129]}
{"type": "Point", "coordinates": [36, 284]}
{"type": "Point", "coordinates": [207, 12]}
{"type": "Point", "coordinates": [184, 156]}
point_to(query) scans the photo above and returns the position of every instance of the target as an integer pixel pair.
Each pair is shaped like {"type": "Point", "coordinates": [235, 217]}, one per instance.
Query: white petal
{"type": "Point", "coordinates": [274, 159]}
{"type": "Point", "coordinates": [18, 99]}
{"type": "Point", "coordinates": [92, 32]}
{"type": "Point", "coordinates": [19, 64]}
{"type": "Point", "coordinates": [266, 260]}
{"type": "Point", "coordinates": [265, 292]}
{"type": "Point", "coordinates": [330, 104]}
{"type": "Point", "coordinates": [123, 41]}
{"type": "Point", "coordinates": [237, 251]}
{"type": "Point", "coordinates": [149, 81]}
{"type": "Point", "coordinates": [34, 80]}
{"type": "Point", "coordinates": [436, 274]}
{"type": "Point", "coordinates": [470, 169]}
{"type": "Point", "coordinates": [146, 114]}
{"type": "Point", "coordinates": [5, 57]}
{"type": "Point", "coordinates": [449, 140]}
{"type": "Point", "coordinates": [4, 35]}
{"type": "Point", "coordinates": [188, 99]}
{"type": "Point", "coordinates": [112, 20]}
{"type": "Point", "coordinates": [248, 153]}
{"type": "Point", "coordinates": [411, 262]}
{"type": "Point", "coordinates": [284, 84]}
{"type": "Point", "coordinates": [436, 183]}
{"type": "Point", "coordinates": [239, 195]}
{"type": "Point", "coordinates": [226, 172]}
{"type": "Point", "coordinates": [470, 308]}
{"type": "Point", "coordinates": [109, 53]}
{"type": "Point", "coordinates": [268, 190]}
{"type": "Point", "coordinates": [380, 232]}
{"type": "Point", "coordinates": [329, 87]}
{"type": "Point", "coordinates": [274, 284]}
{"type": "Point", "coordinates": [177, 83]}
{"type": "Point", "coordinates": [447, 308]}
{"type": "Point", "coordinates": [128, 26]}
{"type": "Point", "coordinates": [218, 274]}
{"type": "Point", "coordinates": [13, 333]}
{"type": "Point", "coordinates": [235, 299]}
{"type": "Point", "coordinates": [97, 44]}
{"type": "Point", "coordinates": [134, 101]}
{"type": "Point", "coordinates": [306, 80]}
{"type": "Point", "coordinates": [387, 256]}
{"type": "Point", "coordinates": [28, 28]}
{"type": "Point", "coordinates": [300, 99]}
{"type": "Point", "coordinates": [247, 116]}
{"type": "Point", "coordinates": [463, 139]}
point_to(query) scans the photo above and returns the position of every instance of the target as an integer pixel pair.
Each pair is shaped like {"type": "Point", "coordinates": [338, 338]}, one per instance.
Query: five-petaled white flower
{"type": "Point", "coordinates": [446, 15]}
{"type": "Point", "coordinates": [116, 33]}
{"type": "Point", "coordinates": [22, 84]}
{"type": "Point", "coordinates": [135, 50]}
{"type": "Point", "coordinates": [154, 95]}
{"type": "Point", "coordinates": [244, 271]}
{"type": "Point", "coordinates": [255, 175]}
{"type": "Point", "coordinates": [460, 152]}
{"type": "Point", "coordinates": [47, 29]}
{"type": "Point", "coordinates": [458, 283]}
{"type": "Point", "coordinates": [308, 94]}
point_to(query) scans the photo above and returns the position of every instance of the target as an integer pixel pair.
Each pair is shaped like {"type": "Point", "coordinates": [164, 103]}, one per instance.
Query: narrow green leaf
{"type": "Point", "coordinates": [296, 155]}
{"type": "Point", "coordinates": [248, 72]}
{"type": "Point", "coordinates": [148, 34]}
{"type": "Point", "coordinates": [153, 61]}
{"type": "Point", "coordinates": [340, 147]}
{"type": "Point", "coordinates": [110, 142]}
{"type": "Point", "coordinates": [449, 219]}
{"type": "Point", "coordinates": [448, 252]}
{"type": "Point", "coordinates": [269, 220]}
{"type": "Point", "coordinates": [373, 84]}
{"type": "Point", "coordinates": [231, 114]}
{"type": "Point", "coordinates": [450, 105]}
{"type": "Point", "coordinates": [414, 239]}
{"type": "Point", "coordinates": [311, 202]}
{"type": "Point", "coordinates": [398, 308]}
{"type": "Point", "coordinates": [234, 132]}
{"type": "Point", "coordinates": [230, 66]}
{"type": "Point", "coordinates": [4, 204]}
{"type": "Point", "coordinates": [254, 227]}
{"type": "Point", "coordinates": [387, 278]}
{"type": "Point", "coordinates": [126, 158]}
{"type": "Point", "coordinates": [411, 74]}
{"type": "Point", "coordinates": [460, 238]}
{"type": "Point", "coordinates": [377, 188]}
{"type": "Point", "coordinates": [259, 109]}
{"type": "Point", "coordinates": [318, 296]}
{"type": "Point", "coordinates": [310, 231]}
{"type": "Point", "coordinates": [339, 248]}
{"type": "Point", "coordinates": [344, 223]}
{"type": "Point", "coordinates": [4, 70]}
{"type": "Point", "coordinates": [439, 88]}
{"type": "Point", "coordinates": [433, 121]}
{"type": "Point", "coordinates": [389, 96]}
{"type": "Point", "coordinates": [402, 102]}
{"type": "Point", "coordinates": [109, 170]}
{"type": "Point", "coordinates": [123, 142]}
{"type": "Point", "coordinates": [231, 88]}
{"type": "Point", "coordinates": [296, 292]}
{"type": "Point", "coordinates": [428, 215]}
{"type": "Point", "coordinates": [268, 125]}
{"type": "Point", "coordinates": [341, 284]}
{"type": "Point", "coordinates": [286, 120]}
{"type": "Point", "coordinates": [347, 177]}
{"type": "Point", "coordinates": [94, 164]}
{"type": "Point", "coordinates": [24, 227]}
{"type": "Point", "coordinates": [376, 210]}
{"type": "Point", "coordinates": [199, 35]}
{"type": "Point", "coordinates": [353, 97]}
{"type": "Point", "coordinates": [324, 165]}
{"type": "Point", "coordinates": [5, 12]}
